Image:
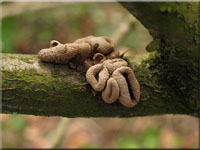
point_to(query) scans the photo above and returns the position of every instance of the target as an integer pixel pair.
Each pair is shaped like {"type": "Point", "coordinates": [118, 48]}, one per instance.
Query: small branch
{"type": "Point", "coordinates": [57, 134]}
{"type": "Point", "coordinates": [123, 28]}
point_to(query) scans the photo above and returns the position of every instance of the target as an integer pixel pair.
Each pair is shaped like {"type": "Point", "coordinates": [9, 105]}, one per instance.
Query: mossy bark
{"type": "Point", "coordinates": [32, 87]}
{"type": "Point", "coordinates": [174, 27]}
{"type": "Point", "coordinates": [168, 77]}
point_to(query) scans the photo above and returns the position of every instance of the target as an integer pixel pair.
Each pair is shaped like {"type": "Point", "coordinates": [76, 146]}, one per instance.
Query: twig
{"type": "Point", "coordinates": [17, 8]}
{"type": "Point", "coordinates": [58, 133]}
{"type": "Point", "coordinates": [123, 28]}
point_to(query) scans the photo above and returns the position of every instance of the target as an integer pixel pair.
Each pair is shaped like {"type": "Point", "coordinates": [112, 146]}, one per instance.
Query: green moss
{"type": "Point", "coordinates": [167, 9]}
{"type": "Point", "coordinates": [41, 84]}
{"type": "Point", "coordinates": [55, 72]}
{"type": "Point", "coordinates": [176, 62]}
{"type": "Point", "coordinates": [188, 12]}
{"type": "Point", "coordinates": [33, 86]}
{"type": "Point", "coordinates": [178, 69]}
{"type": "Point", "coordinates": [27, 60]}
{"type": "Point", "coordinates": [154, 45]}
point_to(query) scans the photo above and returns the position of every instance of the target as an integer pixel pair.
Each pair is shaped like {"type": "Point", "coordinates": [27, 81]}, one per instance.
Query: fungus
{"type": "Point", "coordinates": [105, 44]}
{"type": "Point", "coordinates": [63, 53]}
{"type": "Point", "coordinates": [118, 82]}
{"type": "Point", "coordinates": [106, 72]}
{"type": "Point", "coordinates": [111, 92]}
{"type": "Point", "coordinates": [128, 85]}
{"type": "Point", "coordinates": [103, 75]}
{"type": "Point", "coordinates": [79, 52]}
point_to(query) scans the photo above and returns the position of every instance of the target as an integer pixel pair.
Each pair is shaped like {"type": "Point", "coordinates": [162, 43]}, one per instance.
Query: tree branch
{"type": "Point", "coordinates": [168, 77]}
{"type": "Point", "coordinates": [32, 87]}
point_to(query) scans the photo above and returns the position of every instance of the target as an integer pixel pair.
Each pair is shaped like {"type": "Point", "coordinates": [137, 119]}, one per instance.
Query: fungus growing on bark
{"type": "Point", "coordinates": [106, 72]}
{"type": "Point", "coordinates": [105, 44]}
{"type": "Point", "coordinates": [103, 75]}
{"type": "Point", "coordinates": [63, 53]}
{"type": "Point", "coordinates": [129, 87]}
{"type": "Point", "coordinates": [80, 52]}
{"type": "Point", "coordinates": [121, 85]}
{"type": "Point", "coordinates": [111, 92]}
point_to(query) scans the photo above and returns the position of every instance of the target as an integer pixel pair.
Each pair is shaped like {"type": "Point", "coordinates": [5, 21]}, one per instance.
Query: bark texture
{"type": "Point", "coordinates": [168, 76]}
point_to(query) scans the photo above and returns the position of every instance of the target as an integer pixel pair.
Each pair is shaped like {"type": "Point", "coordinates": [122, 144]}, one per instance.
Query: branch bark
{"type": "Point", "coordinates": [168, 77]}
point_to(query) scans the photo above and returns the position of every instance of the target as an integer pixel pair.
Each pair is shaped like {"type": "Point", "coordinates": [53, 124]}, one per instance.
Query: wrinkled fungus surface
{"type": "Point", "coordinates": [105, 70]}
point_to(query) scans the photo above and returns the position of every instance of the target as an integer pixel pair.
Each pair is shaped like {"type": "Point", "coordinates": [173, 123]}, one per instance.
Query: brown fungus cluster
{"type": "Point", "coordinates": [116, 81]}
{"type": "Point", "coordinates": [106, 72]}
{"type": "Point", "coordinates": [78, 54]}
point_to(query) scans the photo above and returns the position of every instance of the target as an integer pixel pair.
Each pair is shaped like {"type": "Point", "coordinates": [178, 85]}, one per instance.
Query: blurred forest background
{"type": "Point", "coordinates": [28, 27]}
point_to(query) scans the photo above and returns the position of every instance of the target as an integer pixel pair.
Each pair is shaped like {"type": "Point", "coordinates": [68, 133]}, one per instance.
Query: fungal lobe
{"type": "Point", "coordinates": [79, 52]}
{"type": "Point", "coordinates": [121, 82]}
